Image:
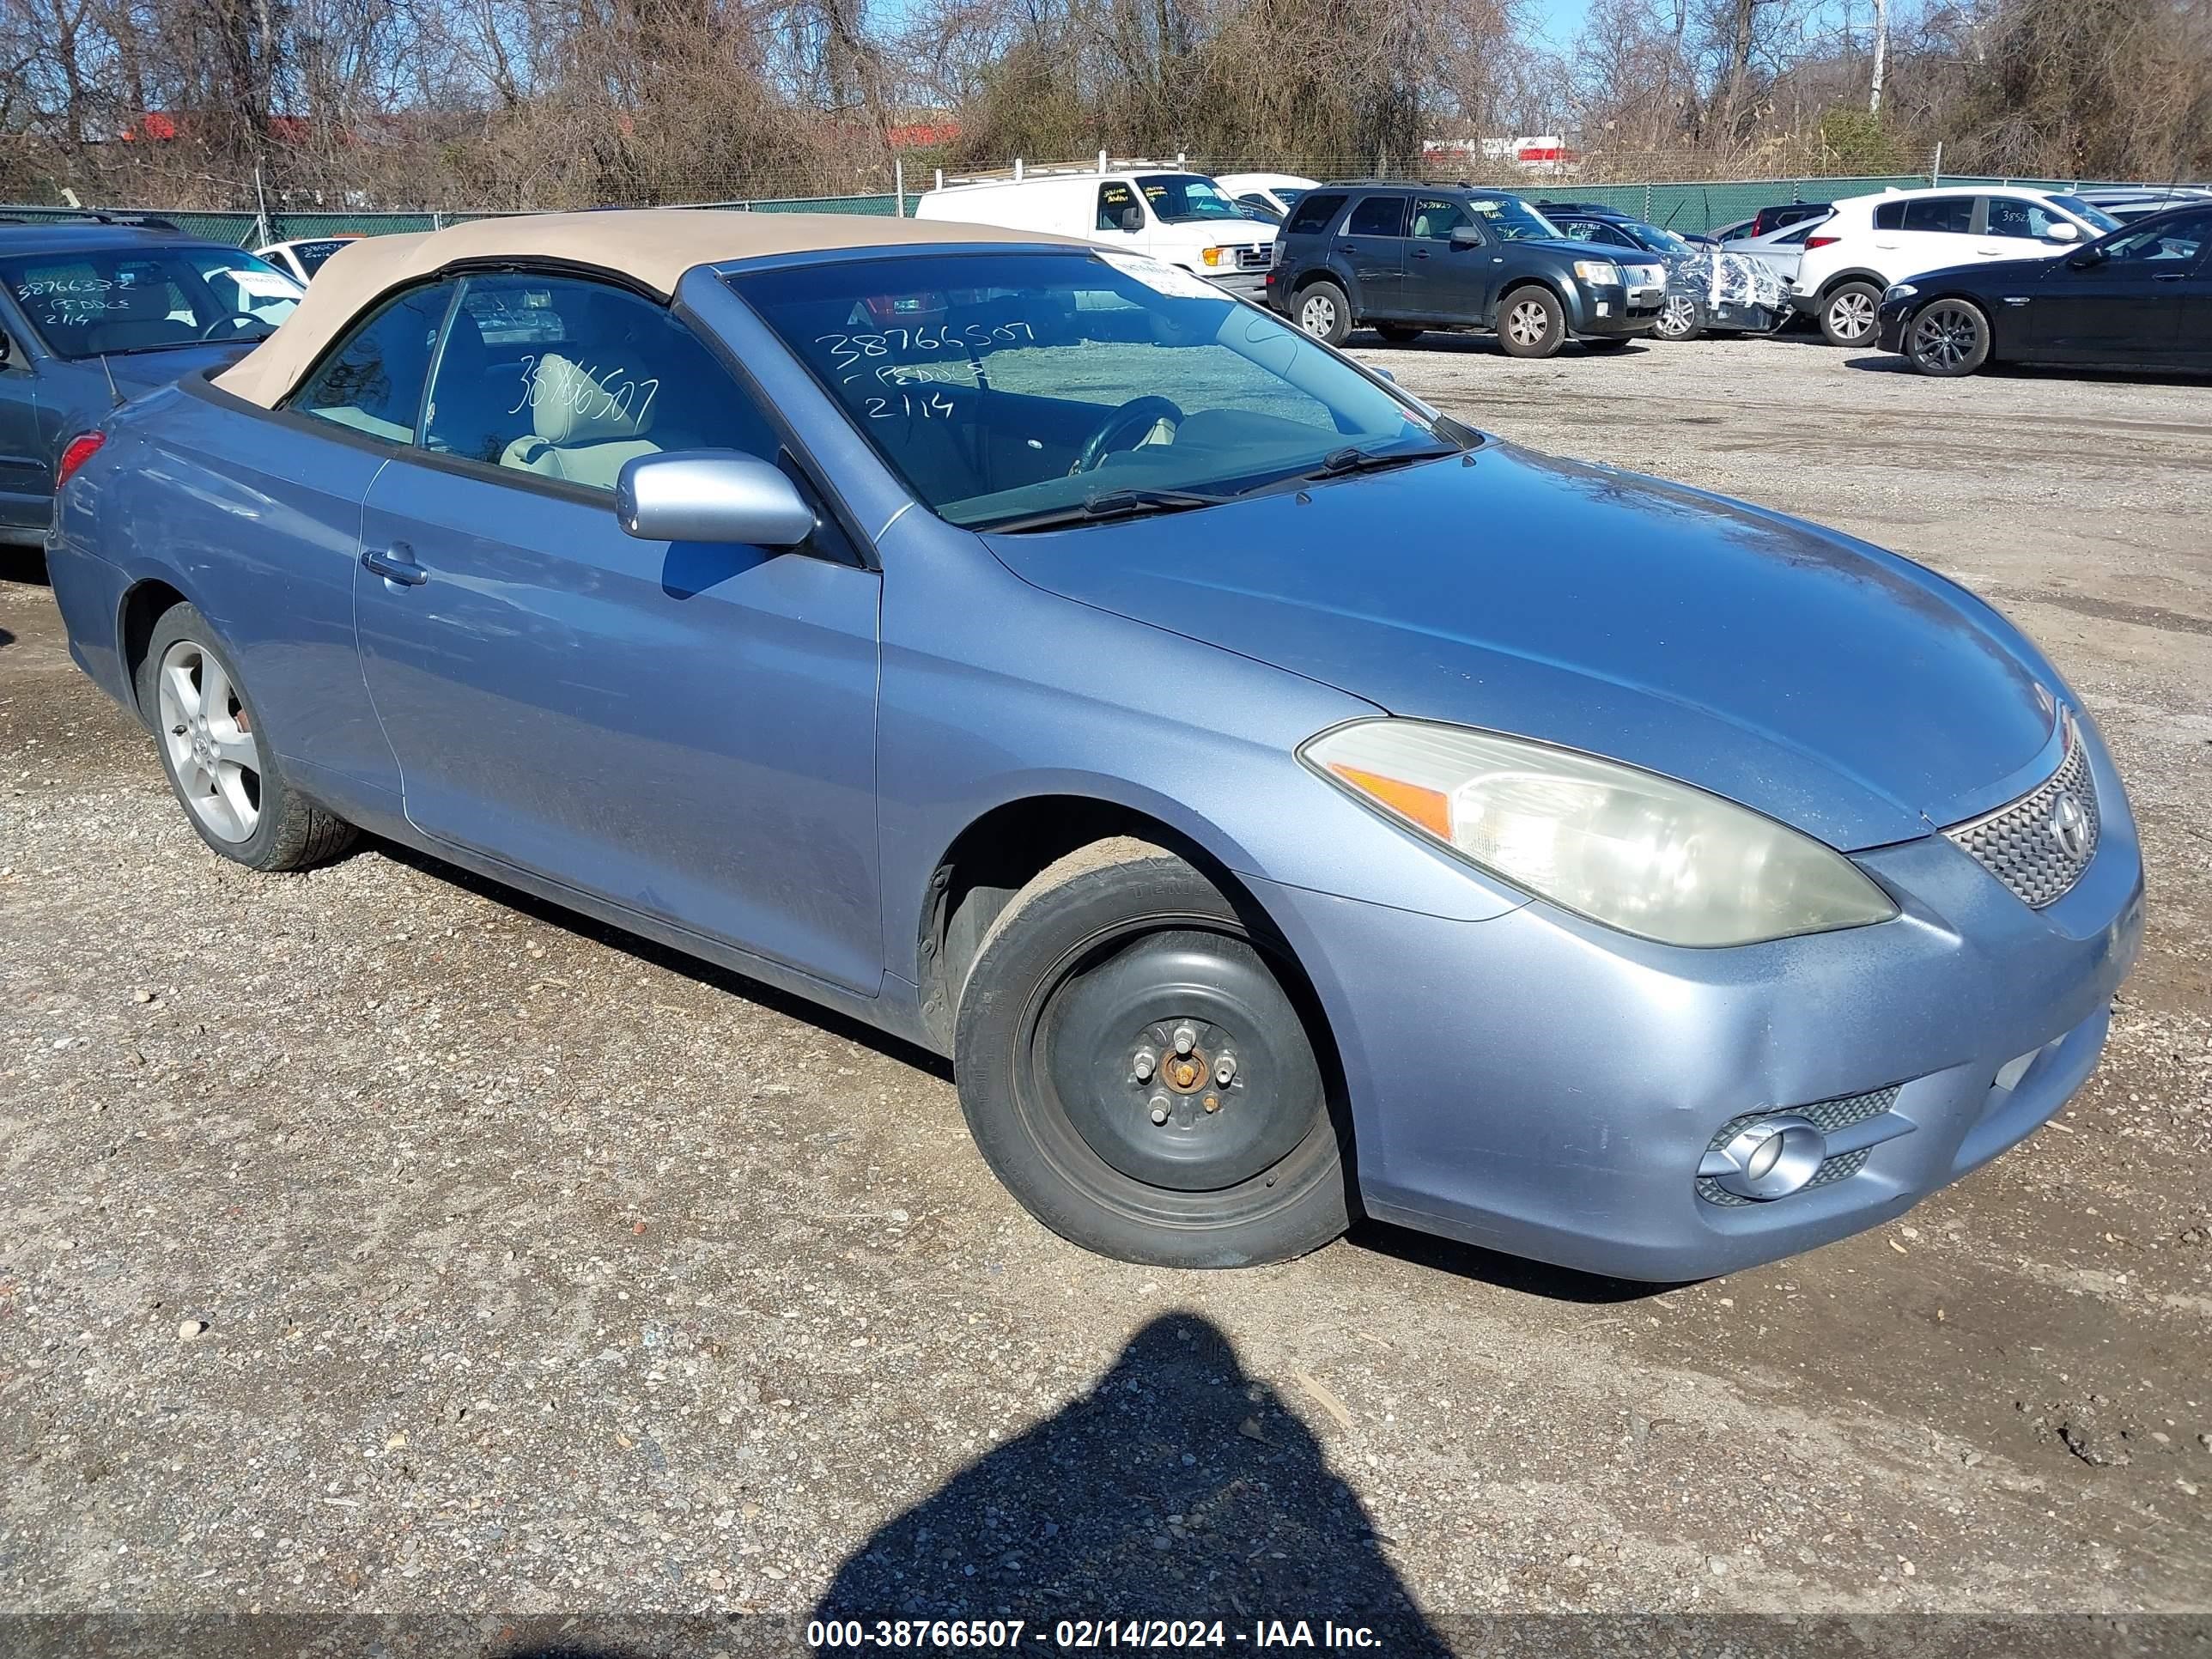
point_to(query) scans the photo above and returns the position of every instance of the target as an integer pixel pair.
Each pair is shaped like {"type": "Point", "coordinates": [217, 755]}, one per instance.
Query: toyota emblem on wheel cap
{"type": "Point", "coordinates": [2069, 824]}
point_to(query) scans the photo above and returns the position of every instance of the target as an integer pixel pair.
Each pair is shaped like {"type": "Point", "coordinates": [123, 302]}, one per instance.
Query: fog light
{"type": "Point", "coordinates": [1768, 1157]}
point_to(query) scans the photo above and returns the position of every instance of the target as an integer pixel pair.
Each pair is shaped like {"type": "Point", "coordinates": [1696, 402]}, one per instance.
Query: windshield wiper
{"type": "Point", "coordinates": [1108, 505]}
{"type": "Point", "coordinates": [1342, 463]}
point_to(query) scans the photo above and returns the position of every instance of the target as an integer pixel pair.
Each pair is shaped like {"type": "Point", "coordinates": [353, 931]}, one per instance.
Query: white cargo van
{"type": "Point", "coordinates": [1179, 217]}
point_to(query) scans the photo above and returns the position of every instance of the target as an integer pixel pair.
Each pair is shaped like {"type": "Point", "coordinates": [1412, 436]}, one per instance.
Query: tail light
{"type": "Point", "coordinates": [81, 449]}
{"type": "Point", "coordinates": [1812, 242]}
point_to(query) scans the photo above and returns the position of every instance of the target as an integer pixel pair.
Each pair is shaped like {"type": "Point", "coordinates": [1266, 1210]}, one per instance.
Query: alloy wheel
{"type": "Point", "coordinates": [1945, 335]}
{"type": "Point", "coordinates": [1527, 323]}
{"type": "Point", "coordinates": [1317, 315]}
{"type": "Point", "coordinates": [1676, 314]}
{"type": "Point", "coordinates": [1851, 315]}
{"type": "Point", "coordinates": [211, 746]}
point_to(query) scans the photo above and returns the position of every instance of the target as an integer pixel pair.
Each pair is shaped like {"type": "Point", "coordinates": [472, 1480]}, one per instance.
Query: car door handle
{"type": "Point", "coordinates": [2166, 276]}
{"type": "Point", "coordinates": [395, 563]}
{"type": "Point", "coordinates": [1420, 253]}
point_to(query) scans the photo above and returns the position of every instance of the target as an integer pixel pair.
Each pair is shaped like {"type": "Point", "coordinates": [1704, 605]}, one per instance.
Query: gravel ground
{"type": "Point", "coordinates": [377, 1239]}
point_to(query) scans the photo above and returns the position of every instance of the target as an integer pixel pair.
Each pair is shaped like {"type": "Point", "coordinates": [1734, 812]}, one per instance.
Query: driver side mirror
{"type": "Point", "coordinates": [2083, 259]}
{"type": "Point", "coordinates": [1465, 236]}
{"type": "Point", "coordinates": [710, 496]}
{"type": "Point", "coordinates": [2063, 231]}
{"type": "Point", "coordinates": [1133, 219]}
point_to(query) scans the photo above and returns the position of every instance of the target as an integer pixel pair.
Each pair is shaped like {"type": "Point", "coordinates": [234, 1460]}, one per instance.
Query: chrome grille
{"type": "Point", "coordinates": [1256, 258]}
{"type": "Point", "coordinates": [2019, 844]}
{"type": "Point", "coordinates": [1826, 1116]}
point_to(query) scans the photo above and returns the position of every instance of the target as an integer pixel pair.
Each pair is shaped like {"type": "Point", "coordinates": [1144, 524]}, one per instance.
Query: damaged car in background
{"type": "Point", "coordinates": [1709, 290]}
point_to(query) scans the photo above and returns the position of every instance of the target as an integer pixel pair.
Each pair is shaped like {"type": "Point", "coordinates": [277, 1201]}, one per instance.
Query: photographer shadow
{"type": "Point", "coordinates": [1177, 1488]}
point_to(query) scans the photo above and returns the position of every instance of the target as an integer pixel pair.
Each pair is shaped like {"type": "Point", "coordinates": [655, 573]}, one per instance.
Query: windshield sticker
{"type": "Point", "coordinates": [1171, 279]}
{"type": "Point", "coordinates": [1485, 205]}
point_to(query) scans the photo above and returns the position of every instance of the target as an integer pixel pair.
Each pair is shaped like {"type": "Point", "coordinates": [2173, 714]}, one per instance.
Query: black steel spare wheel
{"type": "Point", "coordinates": [1178, 1060]}
{"type": "Point", "coordinates": [1136, 1069]}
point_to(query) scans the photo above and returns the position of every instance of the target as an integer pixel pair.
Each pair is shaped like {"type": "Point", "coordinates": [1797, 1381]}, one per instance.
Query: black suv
{"type": "Point", "coordinates": [1407, 258]}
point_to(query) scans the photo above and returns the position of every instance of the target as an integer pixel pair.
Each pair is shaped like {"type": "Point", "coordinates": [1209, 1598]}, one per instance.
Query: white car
{"type": "Point", "coordinates": [1178, 217]}
{"type": "Point", "coordinates": [1871, 241]}
{"type": "Point", "coordinates": [1268, 195]}
{"type": "Point", "coordinates": [303, 256]}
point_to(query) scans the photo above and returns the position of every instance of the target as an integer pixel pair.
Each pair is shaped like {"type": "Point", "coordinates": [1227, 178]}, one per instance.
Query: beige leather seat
{"type": "Point", "coordinates": [581, 431]}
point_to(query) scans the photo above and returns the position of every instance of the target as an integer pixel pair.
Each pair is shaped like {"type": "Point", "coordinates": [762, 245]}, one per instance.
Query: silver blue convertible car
{"type": "Point", "coordinates": [1282, 801]}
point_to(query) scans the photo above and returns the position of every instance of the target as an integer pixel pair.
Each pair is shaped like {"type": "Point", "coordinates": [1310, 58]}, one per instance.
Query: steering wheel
{"type": "Point", "coordinates": [1123, 428]}
{"type": "Point", "coordinates": [238, 320]}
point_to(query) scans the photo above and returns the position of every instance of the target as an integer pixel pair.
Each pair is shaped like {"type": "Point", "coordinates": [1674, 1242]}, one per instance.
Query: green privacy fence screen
{"type": "Point", "coordinates": [1683, 207]}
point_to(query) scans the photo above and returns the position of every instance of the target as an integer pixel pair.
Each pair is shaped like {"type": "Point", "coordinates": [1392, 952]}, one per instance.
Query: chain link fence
{"type": "Point", "coordinates": [1691, 206]}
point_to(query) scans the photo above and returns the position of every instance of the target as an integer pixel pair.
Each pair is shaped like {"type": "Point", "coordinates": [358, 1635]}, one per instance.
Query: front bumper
{"type": "Point", "coordinates": [1538, 1084]}
{"type": "Point", "coordinates": [1607, 312]}
{"type": "Point", "coordinates": [1890, 322]}
{"type": "Point", "coordinates": [1244, 284]}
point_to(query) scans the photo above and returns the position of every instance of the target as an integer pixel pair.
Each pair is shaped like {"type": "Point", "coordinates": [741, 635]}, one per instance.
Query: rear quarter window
{"type": "Point", "coordinates": [1314, 212]}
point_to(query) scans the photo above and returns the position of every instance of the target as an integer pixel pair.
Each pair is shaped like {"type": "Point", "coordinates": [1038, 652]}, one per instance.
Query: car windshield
{"type": "Point", "coordinates": [1185, 198]}
{"type": "Point", "coordinates": [88, 301]}
{"type": "Point", "coordinates": [1512, 220]}
{"type": "Point", "coordinates": [1015, 390]}
{"type": "Point", "coordinates": [2087, 212]}
{"type": "Point", "coordinates": [1657, 240]}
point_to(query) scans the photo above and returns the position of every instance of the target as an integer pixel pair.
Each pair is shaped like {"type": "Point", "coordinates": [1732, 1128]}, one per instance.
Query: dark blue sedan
{"type": "Point", "coordinates": [1282, 800]}
{"type": "Point", "coordinates": [94, 311]}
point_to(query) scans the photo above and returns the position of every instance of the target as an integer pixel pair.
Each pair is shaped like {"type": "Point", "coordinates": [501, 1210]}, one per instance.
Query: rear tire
{"type": "Point", "coordinates": [1851, 313]}
{"type": "Point", "coordinates": [1076, 1094]}
{"type": "Point", "coordinates": [1321, 311]}
{"type": "Point", "coordinates": [1531, 323]}
{"type": "Point", "coordinates": [218, 757]}
{"type": "Point", "coordinates": [1947, 337]}
{"type": "Point", "coordinates": [1398, 333]}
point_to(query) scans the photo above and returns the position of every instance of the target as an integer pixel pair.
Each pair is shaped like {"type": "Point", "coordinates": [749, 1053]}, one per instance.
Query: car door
{"type": "Point", "coordinates": [1121, 217]}
{"type": "Point", "coordinates": [2124, 300]}
{"type": "Point", "coordinates": [684, 730]}
{"type": "Point", "coordinates": [1373, 244]}
{"type": "Point", "coordinates": [27, 481]}
{"type": "Point", "coordinates": [1446, 281]}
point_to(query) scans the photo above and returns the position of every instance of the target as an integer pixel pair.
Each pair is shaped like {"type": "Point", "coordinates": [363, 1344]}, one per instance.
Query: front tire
{"type": "Point", "coordinates": [217, 755]}
{"type": "Point", "coordinates": [1108, 1004]}
{"type": "Point", "coordinates": [1849, 315]}
{"type": "Point", "coordinates": [1323, 311]}
{"type": "Point", "coordinates": [1680, 319]}
{"type": "Point", "coordinates": [1531, 323]}
{"type": "Point", "coordinates": [1947, 337]}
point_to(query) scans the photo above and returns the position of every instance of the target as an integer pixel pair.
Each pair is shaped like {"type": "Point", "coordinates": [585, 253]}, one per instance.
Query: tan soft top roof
{"type": "Point", "coordinates": [651, 245]}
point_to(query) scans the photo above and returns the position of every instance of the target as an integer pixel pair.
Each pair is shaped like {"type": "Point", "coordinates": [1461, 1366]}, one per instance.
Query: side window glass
{"type": "Point", "coordinates": [2010, 216]}
{"type": "Point", "coordinates": [1952, 214]}
{"type": "Point", "coordinates": [2174, 244]}
{"type": "Point", "coordinates": [1579, 230]}
{"type": "Point", "coordinates": [1434, 219]}
{"type": "Point", "coordinates": [567, 380]}
{"type": "Point", "coordinates": [373, 381]}
{"type": "Point", "coordinates": [1119, 209]}
{"type": "Point", "coordinates": [1378, 215]}
{"type": "Point", "coordinates": [1314, 212]}
{"type": "Point", "coordinates": [1889, 215]}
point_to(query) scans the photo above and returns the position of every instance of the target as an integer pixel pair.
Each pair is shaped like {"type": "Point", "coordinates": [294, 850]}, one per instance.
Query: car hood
{"type": "Point", "coordinates": [1839, 689]}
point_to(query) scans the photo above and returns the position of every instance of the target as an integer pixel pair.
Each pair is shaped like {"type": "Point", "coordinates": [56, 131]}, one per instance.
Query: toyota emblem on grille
{"type": "Point", "coordinates": [2069, 824]}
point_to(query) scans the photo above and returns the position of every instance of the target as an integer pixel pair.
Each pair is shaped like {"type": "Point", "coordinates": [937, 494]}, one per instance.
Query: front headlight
{"type": "Point", "coordinates": [1899, 291]}
{"type": "Point", "coordinates": [1603, 273]}
{"type": "Point", "coordinates": [1622, 847]}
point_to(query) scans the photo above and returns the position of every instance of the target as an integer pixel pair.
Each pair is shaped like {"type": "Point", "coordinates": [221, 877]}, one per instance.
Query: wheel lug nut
{"type": "Point", "coordinates": [1145, 1061]}
{"type": "Point", "coordinates": [1185, 1039]}
{"type": "Point", "coordinates": [1225, 1069]}
{"type": "Point", "coordinates": [1159, 1108]}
